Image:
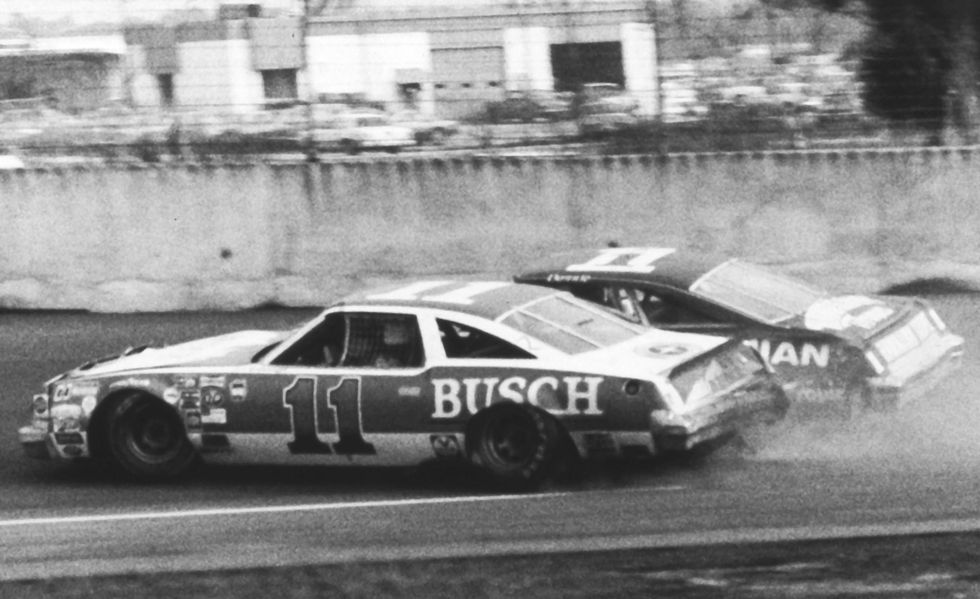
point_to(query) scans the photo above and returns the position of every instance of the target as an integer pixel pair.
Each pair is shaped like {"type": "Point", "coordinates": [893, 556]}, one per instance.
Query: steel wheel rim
{"type": "Point", "coordinates": [511, 441]}
{"type": "Point", "coordinates": [153, 436]}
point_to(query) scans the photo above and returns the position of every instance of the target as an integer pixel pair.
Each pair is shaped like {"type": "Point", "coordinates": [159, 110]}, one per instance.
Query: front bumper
{"type": "Point", "coordinates": [34, 441]}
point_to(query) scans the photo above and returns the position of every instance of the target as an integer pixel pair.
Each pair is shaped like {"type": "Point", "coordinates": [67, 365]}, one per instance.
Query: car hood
{"type": "Point", "coordinates": [222, 350]}
{"type": "Point", "coordinates": [857, 317]}
{"type": "Point", "coordinates": [657, 352]}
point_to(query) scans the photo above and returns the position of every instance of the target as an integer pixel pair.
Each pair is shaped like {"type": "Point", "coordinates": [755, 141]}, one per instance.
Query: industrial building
{"type": "Point", "coordinates": [442, 58]}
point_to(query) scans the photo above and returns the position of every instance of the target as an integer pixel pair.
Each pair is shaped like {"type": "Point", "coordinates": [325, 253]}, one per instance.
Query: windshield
{"type": "Point", "coordinates": [756, 291]}
{"type": "Point", "coordinates": [571, 325]}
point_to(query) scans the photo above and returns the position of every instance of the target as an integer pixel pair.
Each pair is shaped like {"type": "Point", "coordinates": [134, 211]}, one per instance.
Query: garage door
{"type": "Point", "coordinates": [467, 78]}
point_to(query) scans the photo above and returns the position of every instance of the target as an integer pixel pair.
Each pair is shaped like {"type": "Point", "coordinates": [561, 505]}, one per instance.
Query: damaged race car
{"type": "Point", "coordinates": [837, 356]}
{"type": "Point", "coordinates": [518, 380]}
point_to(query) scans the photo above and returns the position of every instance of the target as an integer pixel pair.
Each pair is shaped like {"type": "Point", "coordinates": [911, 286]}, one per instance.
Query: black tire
{"type": "Point", "coordinates": [518, 447]}
{"type": "Point", "coordinates": [854, 403]}
{"type": "Point", "coordinates": [147, 440]}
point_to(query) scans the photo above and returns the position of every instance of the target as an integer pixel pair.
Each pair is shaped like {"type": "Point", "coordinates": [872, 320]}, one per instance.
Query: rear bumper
{"type": "Point", "coordinates": [888, 393]}
{"type": "Point", "coordinates": [740, 409]}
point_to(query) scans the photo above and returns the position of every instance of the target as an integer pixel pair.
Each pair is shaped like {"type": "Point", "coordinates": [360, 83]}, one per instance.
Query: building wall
{"type": "Point", "coordinates": [527, 58]}
{"type": "Point", "coordinates": [369, 64]}
{"type": "Point", "coordinates": [217, 74]}
{"type": "Point", "coordinates": [464, 56]}
{"type": "Point", "coordinates": [231, 236]}
{"type": "Point", "coordinates": [640, 65]}
{"type": "Point", "coordinates": [143, 87]}
{"type": "Point", "coordinates": [72, 81]}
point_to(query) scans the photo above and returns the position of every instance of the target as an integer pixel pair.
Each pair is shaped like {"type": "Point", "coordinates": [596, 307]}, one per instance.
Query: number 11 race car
{"type": "Point", "coordinates": [837, 356]}
{"type": "Point", "coordinates": [515, 379]}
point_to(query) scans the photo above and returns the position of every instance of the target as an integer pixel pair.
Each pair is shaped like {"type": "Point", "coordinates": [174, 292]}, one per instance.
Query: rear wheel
{"type": "Point", "coordinates": [855, 402]}
{"type": "Point", "coordinates": [517, 446]}
{"type": "Point", "coordinates": [147, 441]}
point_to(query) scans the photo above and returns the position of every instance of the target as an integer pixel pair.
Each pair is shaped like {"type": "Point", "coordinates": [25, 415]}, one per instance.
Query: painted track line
{"type": "Point", "coordinates": [280, 509]}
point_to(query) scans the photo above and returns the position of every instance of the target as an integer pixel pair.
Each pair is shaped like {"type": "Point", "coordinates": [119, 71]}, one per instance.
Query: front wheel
{"type": "Point", "coordinates": [517, 446]}
{"type": "Point", "coordinates": [147, 440]}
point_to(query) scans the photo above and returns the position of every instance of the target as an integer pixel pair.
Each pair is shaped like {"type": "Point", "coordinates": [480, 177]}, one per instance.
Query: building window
{"type": "Point", "coordinates": [279, 84]}
{"type": "Point", "coordinates": [165, 83]}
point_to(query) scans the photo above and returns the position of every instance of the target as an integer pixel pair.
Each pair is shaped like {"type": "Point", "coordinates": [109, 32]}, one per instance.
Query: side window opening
{"type": "Point", "coordinates": [462, 341]}
{"type": "Point", "coordinates": [667, 310]}
{"type": "Point", "coordinates": [320, 347]}
{"type": "Point", "coordinates": [621, 301]}
{"type": "Point", "coordinates": [382, 341]}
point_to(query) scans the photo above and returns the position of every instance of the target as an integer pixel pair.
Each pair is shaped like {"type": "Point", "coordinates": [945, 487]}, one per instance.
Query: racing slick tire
{"type": "Point", "coordinates": [147, 440]}
{"type": "Point", "coordinates": [517, 446]}
{"type": "Point", "coordinates": [854, 404]}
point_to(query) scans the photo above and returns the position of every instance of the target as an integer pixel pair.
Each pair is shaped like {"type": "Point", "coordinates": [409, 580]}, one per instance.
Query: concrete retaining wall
{"type": "Point", "coordinates": [231, 236]}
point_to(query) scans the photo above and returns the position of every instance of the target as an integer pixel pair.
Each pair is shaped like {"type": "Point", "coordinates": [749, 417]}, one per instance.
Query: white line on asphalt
{"type": "Point", "coordinates": [234, 511]}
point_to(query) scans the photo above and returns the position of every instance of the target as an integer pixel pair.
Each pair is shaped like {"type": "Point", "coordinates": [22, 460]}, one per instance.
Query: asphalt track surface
{"type": "Point", "coordinates": [890, 481]}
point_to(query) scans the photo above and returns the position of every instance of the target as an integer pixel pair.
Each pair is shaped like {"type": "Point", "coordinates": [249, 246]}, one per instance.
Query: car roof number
{"type": "Point", "coordinates": [638, 260]}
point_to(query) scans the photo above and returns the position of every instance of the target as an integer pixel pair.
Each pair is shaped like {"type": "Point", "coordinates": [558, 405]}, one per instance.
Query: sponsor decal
{"type": "Point", "coordinates": [131, 382]}
{"type": "Point", "coordinates": [454, 397]}
{"type": "Point", "coordinates": [193, 420]}
{"type": "Point", "coordinates": [213, 381]}
{"type": "Point", "coordinates": [238, 389]}
{"type": "Point", "coordinates": [410, 391]}
{"type": "Point", "coordinates": [171, 395]}
{"type": "Point", "coordinates": [185, 381]}
{"type": "Point", "coordinates": [61, 393]}
{"type": "Point", "coordinates": [215, 416]}
{"type": "Point", "coordinates": [669, 350]}
{"type": "Point", "coordinates": [213, 390]}
{"type": "Point", "coordinates": [794, 354]}
{"type": "Point", "coordinates": [66, 418]}
{"type": "Point", "coordinates": [563, 278]}
{"type": "Point", "coordinates": [212, 396]}
{"type": "Point", "coordinates": [190, 399]}
{"type": "Point", "coordinates": [445, 446]}
{"type": "Point", "coordinates": [84, 388]}
{"type": "Point", "coordinates": [68, 391]}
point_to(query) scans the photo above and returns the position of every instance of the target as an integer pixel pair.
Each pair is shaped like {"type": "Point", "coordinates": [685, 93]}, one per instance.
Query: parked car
{"type": "Point", "coordinates": [604, 108]}
{"type": "Point", "coordinates": [356, 131]}
{"type": "Point", "coordinates": [10, 161]}
{"type": "Point", "coordinates": [515, 379]}
{"type": "Point", "coordinates": [426, 129]}
{"type": "Point", "coordinates": [836, 355]}
{"type": "Point", "coordinates": [529, 107]}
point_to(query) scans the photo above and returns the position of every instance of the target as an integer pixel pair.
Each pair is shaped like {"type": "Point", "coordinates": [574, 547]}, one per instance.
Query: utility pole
{"type": "Point", "coordinates": [307, 93]}
{"type": "Point", "coordinates": [653, 14]}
